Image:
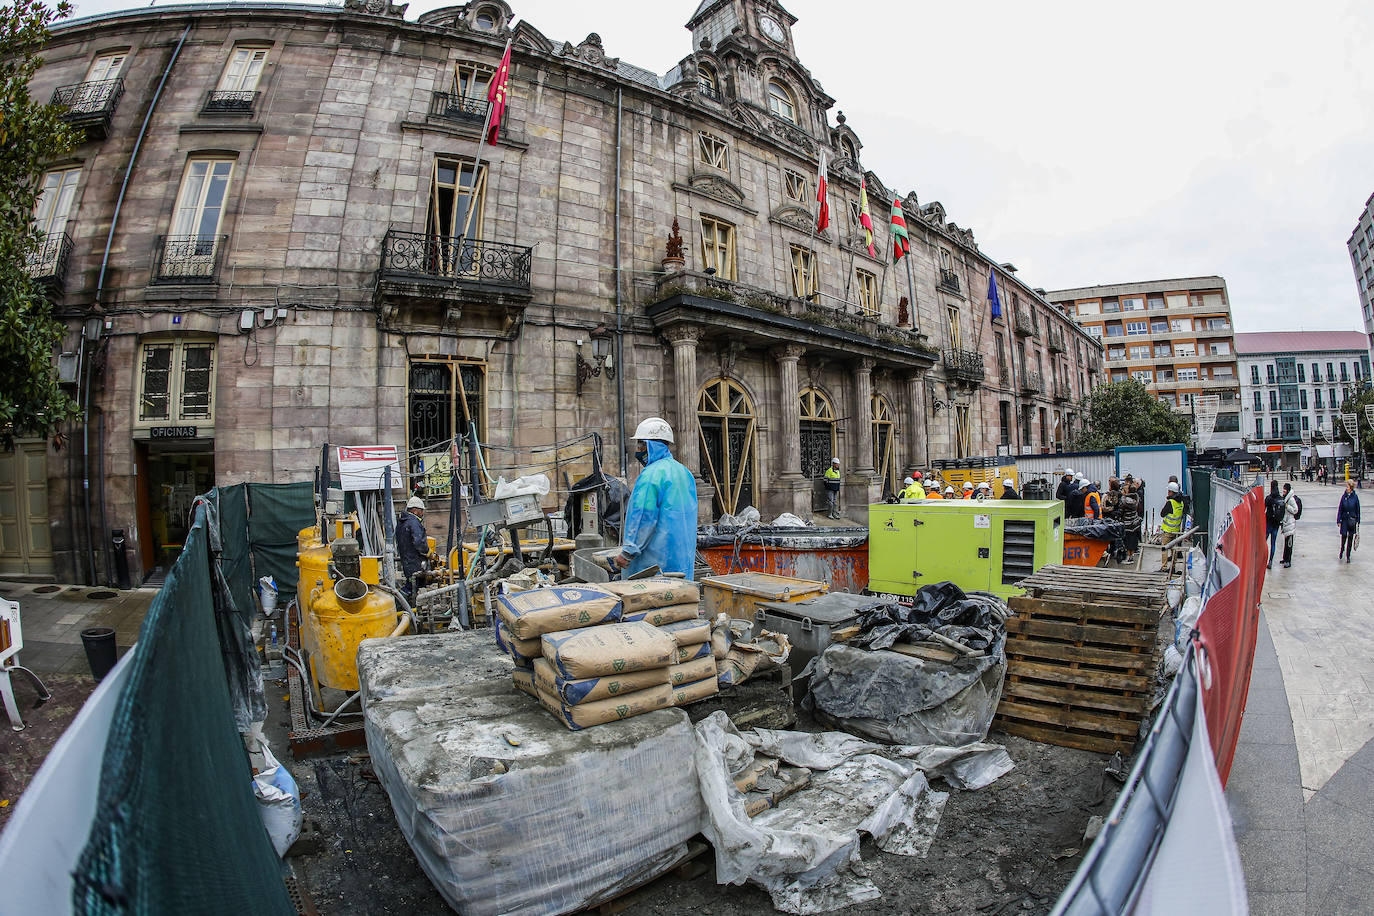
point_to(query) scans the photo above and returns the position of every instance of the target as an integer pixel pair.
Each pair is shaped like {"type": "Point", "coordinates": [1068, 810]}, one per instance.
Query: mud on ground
{"type": "Point", "coordinates": [1009, 848]}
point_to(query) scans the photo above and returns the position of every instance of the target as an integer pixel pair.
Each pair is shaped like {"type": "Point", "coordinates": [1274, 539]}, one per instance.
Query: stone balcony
{"type": "Point", "coordinates": [1024, 324]}
{"type": "Point", "coordinates": [964, 366]}
{"type": "Point", "coordinates": [1054, 339]}
{"type": "Point", "coordinates": [1032, 383]}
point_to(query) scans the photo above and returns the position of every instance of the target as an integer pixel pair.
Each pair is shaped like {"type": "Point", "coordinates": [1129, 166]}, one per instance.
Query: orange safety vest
{"type": "Point", "coordinates": [1092, 506]}
{"type": "Point", "coordinates": [933, 494]}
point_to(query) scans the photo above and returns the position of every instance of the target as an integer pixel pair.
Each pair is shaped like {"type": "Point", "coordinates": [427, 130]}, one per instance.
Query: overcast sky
{"type": "Point", "coordinates": [1088, 142]}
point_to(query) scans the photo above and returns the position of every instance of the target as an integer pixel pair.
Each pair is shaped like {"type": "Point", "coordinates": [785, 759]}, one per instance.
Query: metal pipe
{"type": "Point", "coordinates": [619, 313]}
{"type": "Point", "coordinates": [86, 470]}
{"type": "Point", "coordinates": [133, 158]}
{"type": "Point", "coordinates": [100, 475]}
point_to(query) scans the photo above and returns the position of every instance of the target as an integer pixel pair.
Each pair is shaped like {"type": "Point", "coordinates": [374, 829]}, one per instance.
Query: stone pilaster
{"type": "Point", "coordinates": [916, 421]}
{"type": "Point", "coordinates": [684, 338]}
{"type": "Point", "coordinates": [861, 422]}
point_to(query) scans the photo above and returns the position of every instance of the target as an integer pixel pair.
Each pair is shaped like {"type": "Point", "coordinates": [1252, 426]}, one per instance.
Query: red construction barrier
{"type": "Point", "coordinates": [1229, 626]}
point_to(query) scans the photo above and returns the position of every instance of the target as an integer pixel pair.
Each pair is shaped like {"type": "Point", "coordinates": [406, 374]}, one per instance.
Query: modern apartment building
{"type": "Point", "coordinates": [1361, 247]}
{"type": "Point", "coordinates": [1292, 387]}
{"type": "Point", "coordinates": [1175, 336]}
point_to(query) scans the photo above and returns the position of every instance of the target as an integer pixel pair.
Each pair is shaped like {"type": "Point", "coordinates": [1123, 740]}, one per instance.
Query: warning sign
{"type": "Point", "coordinates": [982, 521]}
{"type": "Point", "coordinates": [362, 467]}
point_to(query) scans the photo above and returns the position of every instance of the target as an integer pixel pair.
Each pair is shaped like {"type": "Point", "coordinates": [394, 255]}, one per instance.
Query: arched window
{"type": "Point", "coordinates": [708, 84]}
{"type": "Point", "coordinates": [485, 20]}
{"type": "Point", "coordinates": [847, 148]}
{"type": "Point", "coordinates": [883, 450]}
{"type": "Point", "coordinates": [725, 415]}
{"type": "Point", "coordinates": [781, 102]}
{"type": "Point", "coordinates": [817, 432]}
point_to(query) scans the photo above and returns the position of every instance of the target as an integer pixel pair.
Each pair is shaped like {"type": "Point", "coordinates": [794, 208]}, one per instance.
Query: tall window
{"type": "Point", "coordinates": [803, 273]}
{"type": "Point", "coordinates": [1259, 405]}
{"type": "Point", "coordinates": [952, 316]}
{"type": "Point", "coordinates": [50, 214]}
{"type": "Point", "coordinates": [1259, 427]}
{"type": "Point", "coordinates": [794, 185]}
{"type": "Point", "coordinates": [884, 457]}
{"type": "Point", "coordinates": [1001, 359]}
{"type": "Point", "coordinates": [176, 381]}
{"type": "Point", "coordinates": [817, 431]}
{"type": "Point", "coordinates": [781, 102]}
{"type": "Point", "coordinates": [718, 247]}
{"type": "Point", "coordinates": [456, 200]}
{"type": "Point", "coordinates": [707, 81]}
{"type": "Point", "coordinates": [963, 432]}
{"type": "Point", "coordinates": [712, 151]}
{"type": "Point", "coordinates": [1302, 374]}
{"type": "Point", "coordinates": [442, 398]}
{"type": "Point", "coordinates": [1004, 422]}
{"type": "Point", "coordinates": [868, 293]}
{"type": "Point", "coordinates": [106, 67]}
{"type": "Point", "coordinates": [1273, 427]}
{"type": "Point", "coordinates": [471, 81]}
{"type": "Point", "coordinates": [189, 250]}
{"type": "Point", "coordinates": [1254, 375]}
{"type": "Point", "coordinates": [1302, 398]}
{"type": "Point", "coordinates": [243, 71]}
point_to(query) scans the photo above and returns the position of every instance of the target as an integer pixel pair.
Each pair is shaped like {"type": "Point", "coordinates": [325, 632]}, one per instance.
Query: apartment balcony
{"type": "Point", "coordinates": [432, 280]}
{"type": "Point", "coordinates": [226, 102]}
{"type": "Point", "coordinates": [48, 263]}
{"type": "Point", "coordinates": [187, 259]}
{"type": "Point", "coordinates": [90, 106]}
{"type": "Point", "coordinates": [1062, 391]}
{"type": "Point", "coordinates": [458, 109]}
{"type": "Point", "coordinates": [964, 366]}
{"type": "Point", "coordinates": [949, 280]}
{"type": "Point", "coordinates": [1227, 331]}
{"type": "Point", "coordinates": [1054, 339]}
{"type": "Point", "coordinates": [1218, 383]}
{"type": "Point", "coordinates": [1032, 383]}
{"type": "Point", "coordinates": [1024, 324]}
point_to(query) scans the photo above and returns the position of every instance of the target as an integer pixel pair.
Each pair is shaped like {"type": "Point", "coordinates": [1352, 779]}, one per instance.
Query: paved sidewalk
{"type": "Point", "coordinates": [1302, 789]}
{"type": "Point", "coordinates": [53, 617]}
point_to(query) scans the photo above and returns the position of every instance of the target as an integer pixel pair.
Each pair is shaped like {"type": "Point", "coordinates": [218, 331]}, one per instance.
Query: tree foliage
{"type": "Point", "coordinates": [1125, 413]}
{"type": "Point", "coordinates": [32, 135]}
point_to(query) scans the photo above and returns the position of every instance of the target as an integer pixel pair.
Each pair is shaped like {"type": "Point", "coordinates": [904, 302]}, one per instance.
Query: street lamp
{"type": "Point", "coordinates": [601, 357]}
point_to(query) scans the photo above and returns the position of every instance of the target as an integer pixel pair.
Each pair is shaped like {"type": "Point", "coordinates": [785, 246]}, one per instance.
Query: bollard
{"type": "Point", "coordinates": [121, 560]}
{"type": "Point", "coordinates": [101, 653]}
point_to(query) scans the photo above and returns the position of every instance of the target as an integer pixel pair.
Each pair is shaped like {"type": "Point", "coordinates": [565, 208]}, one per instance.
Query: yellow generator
{"type": "Point", "coordinates": [340, 606]}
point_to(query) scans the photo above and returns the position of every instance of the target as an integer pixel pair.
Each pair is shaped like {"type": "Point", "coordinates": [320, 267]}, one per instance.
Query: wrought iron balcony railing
{"type": "Point", "coordinates": [1056, 340]}
{"type": "Point", "coordinates": [1025, 324]}
{"type": "Point", "coordinates": [963, 365]}
{"type": "Point", "coordinates": [92, 104]}
{"type": "Point", "coordinates": [458, 108]}
{"type": "Point", "coordinates": [420, 256]}
{"type": "Point", "coordinates": [187, 258]}
{"type": "Point", "coordinates": [1061, 391]}
{"type": "Point", "coordinates": [1032, 383]}
{"type": "Point", "coordinates": [230, 102]}
{"type": "Point", "coordinates": [706, 89]}
{"type": "Point", "coordinates": [48, 263]}
{"type": "Point", "coordinates": [949, 280]}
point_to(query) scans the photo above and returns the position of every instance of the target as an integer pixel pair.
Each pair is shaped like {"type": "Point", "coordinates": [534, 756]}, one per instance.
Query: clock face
{"type": "Point", "coordinates": [772, 28]}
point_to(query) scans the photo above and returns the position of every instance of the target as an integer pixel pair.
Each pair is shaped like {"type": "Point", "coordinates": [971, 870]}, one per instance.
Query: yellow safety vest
{"type": "Point", "coordinates": [915, 491]}
{"type": "Point", "coordinates": [831, 473]}
{"type": "Point", "coordinates": [1173, 521]}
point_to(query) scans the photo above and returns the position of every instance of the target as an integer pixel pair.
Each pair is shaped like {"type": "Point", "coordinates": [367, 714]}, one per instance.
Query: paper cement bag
{"type": "Point", "coordinates": [550, 610]}
{"type": "Point", "coordinates": [658, 616]}
{"type": "Point", "coordinates": [613, 710]}
{"type": "Point", "coordinates": [688, 672]}
{"type": "Point", "coordinates": [690, 693]}
{"type": "Point", "coordinates": [616, 648]}
{"type": "Point", "coordinates": [521, 651]}
{"type": "Point", "coordinates": [572, 692]}
{"type": "Point", "coordinates": [524, 681]}
{"type": "Point", "coordinates": [693, 652]}
{"type": "Point", "coordinates": [688, 632]}
{"type": "Point", "coordinates": [643, 594]}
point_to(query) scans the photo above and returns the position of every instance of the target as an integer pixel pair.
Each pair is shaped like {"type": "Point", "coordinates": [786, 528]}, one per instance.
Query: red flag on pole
{"type": "Point", "coordinates": [823, 212]}
{"type": "Point", "coordinates": [497, 94]}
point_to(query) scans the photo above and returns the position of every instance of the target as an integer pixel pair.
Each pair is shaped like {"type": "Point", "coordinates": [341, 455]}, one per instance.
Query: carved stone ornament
{"type": "Point", "coordinates": [799, 218]}
{"type": "Point", "coordinates": [791, 134]}
{"type": "Point", "coordinates": [591, 51]}
{"type": "Point", "coordinates": [729, 355]}
{"type": "Point", "coordinates": [377, 8]}
{"type": "Point", "coordinates": [682, 334]}
{"type": "Point", "coordinates": [718, 187]}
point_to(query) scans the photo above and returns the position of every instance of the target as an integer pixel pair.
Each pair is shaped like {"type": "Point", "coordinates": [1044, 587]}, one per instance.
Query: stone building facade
{"type": "Point", "coordinates": [283, 230]}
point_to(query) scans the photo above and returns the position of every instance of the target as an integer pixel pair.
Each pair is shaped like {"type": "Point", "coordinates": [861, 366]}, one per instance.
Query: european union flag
{"type": "Point", "coordinates": [992, 294]}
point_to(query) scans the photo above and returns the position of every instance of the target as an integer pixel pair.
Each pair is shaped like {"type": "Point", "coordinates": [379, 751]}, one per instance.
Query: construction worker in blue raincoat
{"type": "Point", "coordinates": [661, 519]}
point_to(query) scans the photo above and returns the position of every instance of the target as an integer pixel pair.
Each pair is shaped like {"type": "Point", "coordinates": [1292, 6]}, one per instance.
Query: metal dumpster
{"type": "Point", "coordinates": [836, 556]}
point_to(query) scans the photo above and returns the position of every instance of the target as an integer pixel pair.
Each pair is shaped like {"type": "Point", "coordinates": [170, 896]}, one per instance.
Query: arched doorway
{"type": "Point", "coordinates": [725, 415]}
{"type": "Point", "coordinates": [817, 432]}
{"type": "Point", "coordinates": [884, 458]}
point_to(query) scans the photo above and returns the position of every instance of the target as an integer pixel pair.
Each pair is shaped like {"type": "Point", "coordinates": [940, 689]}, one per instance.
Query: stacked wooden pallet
{"type": "Point", "coordinates": [1082, 651]}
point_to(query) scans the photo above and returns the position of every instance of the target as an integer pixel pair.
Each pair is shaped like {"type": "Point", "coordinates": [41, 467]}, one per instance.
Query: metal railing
{"type": "Point", "coordinates": [949, 280]}
{"type": "Point", "coordinates": [1032, 383]}
{"type": "Point", "coordinates": [187, 258]}
{"type": "Point", "coordinates": [458, 108]}
{"type": "Point", "coordinates": [1055, 340]}
{"type": "Point", "coordinates": [706, 89]}
{"type": "Point", "coordinates": [1062, 391]}
{"type": "Point", "coordinates": [418, 255]}
{"type": "Point", "coordinates": [48, 263]}
{"type": "Point", "coordinates": [964, 365]}
{"type": "Point", "coordinates": [90, 102]}
{"type": "Point", "coordinates": [230, 102]}
{"type": "Point", "coordinates": [1025, 324]}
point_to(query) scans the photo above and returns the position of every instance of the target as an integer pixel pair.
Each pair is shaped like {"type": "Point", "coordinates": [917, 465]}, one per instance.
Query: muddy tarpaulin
{"type": "Point", "coordinates": [805, 851]}
{"type": "Point", "coordinates": [1096, 529]}
{"type": "Point", "coordinates": [899, 699]}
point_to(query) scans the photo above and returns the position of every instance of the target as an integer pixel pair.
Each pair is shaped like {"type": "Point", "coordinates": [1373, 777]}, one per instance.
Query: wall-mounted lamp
{"type": "Point", "coordinates": [601, 357]}
{"type": "Point", "coordinates": [937, 405]}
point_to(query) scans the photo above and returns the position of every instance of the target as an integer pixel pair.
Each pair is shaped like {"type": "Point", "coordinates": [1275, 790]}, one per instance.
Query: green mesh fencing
{"type": "Point", "coordinates": [1200, 489]}
{"type": "Point", "coordinates": [276, 514]}
{"type": "Point", "coordinates": [236, 557]}
{"type": "Point", "coordinates": [176, 827]}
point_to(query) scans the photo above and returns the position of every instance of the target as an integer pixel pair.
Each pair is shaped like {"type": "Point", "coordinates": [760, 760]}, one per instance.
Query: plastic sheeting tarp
{"type": "Point", "coordinates": [661, 521]}
{"type": "Point", "coordinates": [805, 851]}
{"type": "Point", "coordinates": [899, 699]}
{"type": "Point", "coordinates": [507, 810]}
{"type": "Point", "coordinates": [234, 607]}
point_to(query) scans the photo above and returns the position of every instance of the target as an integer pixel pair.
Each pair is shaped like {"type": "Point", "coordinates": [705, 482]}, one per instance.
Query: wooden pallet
{"type": "Point", "coordinates": [1081, 657]}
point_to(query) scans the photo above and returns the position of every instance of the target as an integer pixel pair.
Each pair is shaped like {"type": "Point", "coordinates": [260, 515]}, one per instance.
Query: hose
{"type": "Point", "coordinates": [405, 605]}
{"type": "Point", "coordinates": [346, 703]}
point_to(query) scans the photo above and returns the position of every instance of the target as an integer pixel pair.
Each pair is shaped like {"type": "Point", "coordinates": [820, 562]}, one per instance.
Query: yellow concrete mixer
{"type": "Point", "coordinates": [340, 605]}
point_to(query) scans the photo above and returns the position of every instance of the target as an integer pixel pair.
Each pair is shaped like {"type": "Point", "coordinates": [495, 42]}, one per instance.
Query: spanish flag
{"type": "Point", "coordinates": [866, 219]}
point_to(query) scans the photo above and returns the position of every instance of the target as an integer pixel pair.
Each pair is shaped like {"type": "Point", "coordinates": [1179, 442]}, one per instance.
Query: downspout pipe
{"type": "Point", "coordinates": [619, 309]}
{"type": "Point", "coordinates": [133, 158]}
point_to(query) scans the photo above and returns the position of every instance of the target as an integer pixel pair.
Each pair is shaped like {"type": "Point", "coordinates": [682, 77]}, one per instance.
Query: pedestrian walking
{"type": "Point", "coordinates": [1289, 526]}
{"type": "Point", "coordinates": [1348, 520]}
{"type": "Point", "coordinates": [832, 489]}
{"type": "Point", "coordinates": [1273, 520]}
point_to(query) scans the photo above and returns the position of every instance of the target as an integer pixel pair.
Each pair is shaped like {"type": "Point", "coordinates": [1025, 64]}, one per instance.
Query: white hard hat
{"type": "Point", "coordinates": [415, 502]}
{"type": "Point", "coordinates": [654, 428]}
{"type": "Point", "coordinates": [1008, 482]}
{"type": "Point", "coordinates": [834, 461]}
{"type": "Point", "coordinates": [1068, 472]}
{"type": "Point", "coordinates": [985, 486]}
{"type": "Point", "coordinates": [1172, 485]}
{"type": "Point", "coordinates": [908, 481]}
{"type": "Point", "coordinates": [1079, 477]}
{"type": "Point", "coordinates": [968, 485]}
{"type": "Point", "coordinates": [949, 489]}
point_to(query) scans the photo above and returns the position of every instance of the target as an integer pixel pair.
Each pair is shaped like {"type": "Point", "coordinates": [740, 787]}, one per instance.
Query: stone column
{"type": "Point", "coordinates": [789, 413]}
{"type": "Point", "coordinates": [916, 421]}
{"type": "Point", "coordinates": [684, 339]}
{"type": "Point", "coordinates": [861, 417]}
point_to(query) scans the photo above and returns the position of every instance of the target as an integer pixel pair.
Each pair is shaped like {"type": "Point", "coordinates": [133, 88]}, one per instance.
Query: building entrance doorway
{"type": "Point", "coordinates": [25, 545]}
{"type": "Point", "coordinates": [725, 414]}
{"type": "Point", "coordinates": [170, 477]}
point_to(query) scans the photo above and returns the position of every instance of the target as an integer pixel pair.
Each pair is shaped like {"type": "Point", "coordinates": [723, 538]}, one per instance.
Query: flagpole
{"type": "Point", "coordinates": [477, 164]}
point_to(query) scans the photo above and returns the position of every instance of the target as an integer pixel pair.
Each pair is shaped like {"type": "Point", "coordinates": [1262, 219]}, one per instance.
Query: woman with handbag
{"type": "Point", "coordinates": [1348, 520]}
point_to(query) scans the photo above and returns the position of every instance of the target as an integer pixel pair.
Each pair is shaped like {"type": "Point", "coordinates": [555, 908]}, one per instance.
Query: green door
{"type": "Point", "coordinates": [25, 547]}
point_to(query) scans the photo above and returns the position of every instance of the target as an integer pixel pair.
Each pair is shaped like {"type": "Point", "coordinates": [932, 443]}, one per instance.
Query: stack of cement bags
{"type": "Point", "coordinates": [522, 617]}
{"type": "Point", "coordinates": [674, 606]}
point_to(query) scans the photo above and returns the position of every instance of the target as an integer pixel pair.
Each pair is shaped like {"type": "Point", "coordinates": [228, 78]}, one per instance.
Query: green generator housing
{"type": "Point", "coordinates": [979, 545]}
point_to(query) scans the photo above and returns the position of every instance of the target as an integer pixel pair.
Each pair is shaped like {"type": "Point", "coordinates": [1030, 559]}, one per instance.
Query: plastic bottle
{"type": "Point", "coordinates": [274, 634]}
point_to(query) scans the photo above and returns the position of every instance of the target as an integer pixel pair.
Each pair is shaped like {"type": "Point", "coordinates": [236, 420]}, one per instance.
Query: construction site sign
{"type": "Point", "coordinates": [363, 467]}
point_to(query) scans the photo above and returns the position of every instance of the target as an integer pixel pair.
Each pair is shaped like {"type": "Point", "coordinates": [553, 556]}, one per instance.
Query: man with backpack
{"type": "Point", "coordinates": [1273, 519]}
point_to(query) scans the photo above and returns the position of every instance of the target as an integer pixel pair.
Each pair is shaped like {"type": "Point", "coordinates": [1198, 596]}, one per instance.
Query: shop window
{"type": "Point", "coordinates": [176, 382]}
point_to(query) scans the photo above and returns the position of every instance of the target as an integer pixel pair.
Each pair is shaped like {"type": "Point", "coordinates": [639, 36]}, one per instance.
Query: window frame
{"type": "Point", "coordinates": [176, 389]}
{"type": "Point", "coordinates": [251, 49]}
{"type": "Point", "coordinates": [715, 251]}
{"type": "Point", "coordinates": [92, 72]}
{"type": "Point", "coordinates": [712, 151]}
{"type": "Point", "coordinates": [803, 270]}
{"type": "Point", "coordinates": [182, 205]}
{"type": "Point", "coordinates": [45, 223]}
{"type": "Point", "coordinates": [868, 298]}
{"type": "Point", "coordinates": [783, 97]}
{"type": "Point", "coordinates": [795, 186]}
